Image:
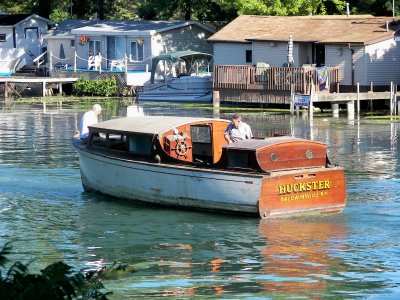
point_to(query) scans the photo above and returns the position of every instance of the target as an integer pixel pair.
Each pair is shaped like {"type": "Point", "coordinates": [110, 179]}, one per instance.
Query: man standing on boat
{"type": "Point", "coordinates": [89, 118]}
{"type": "Point", "coordinates": [237, 130]}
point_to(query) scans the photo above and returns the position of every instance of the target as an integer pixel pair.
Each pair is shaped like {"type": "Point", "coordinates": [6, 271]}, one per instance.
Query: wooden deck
{"type": "Point", "coordinates": [10, 88]}
{"type": "Point", "coordinates": [269, 78]}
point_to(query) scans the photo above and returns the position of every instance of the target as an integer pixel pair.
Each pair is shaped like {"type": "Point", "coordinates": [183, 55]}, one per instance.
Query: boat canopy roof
{"type": "Point", "coordinates": [189, 57]}
{"type": "Point", "coordinates": [147, 124]}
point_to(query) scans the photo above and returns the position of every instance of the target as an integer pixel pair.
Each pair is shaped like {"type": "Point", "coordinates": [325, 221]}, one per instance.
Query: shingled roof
{"type": "Point", "coordinates": [362, 29]}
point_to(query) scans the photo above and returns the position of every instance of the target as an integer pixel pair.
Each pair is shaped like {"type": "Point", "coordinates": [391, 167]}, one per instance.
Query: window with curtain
{"type": "Point", "coordinates": [137, 51]}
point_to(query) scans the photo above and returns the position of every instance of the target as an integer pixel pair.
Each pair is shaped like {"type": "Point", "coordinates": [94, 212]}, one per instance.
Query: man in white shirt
{"type": "Point", "coordinates": [89, 118]}
{"type": "Point", "coordinates": [237, 130]}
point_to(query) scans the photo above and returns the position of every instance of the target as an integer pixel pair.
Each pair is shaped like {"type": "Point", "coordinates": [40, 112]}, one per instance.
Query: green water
{"type": "Point", "coordinates": [184, 254]}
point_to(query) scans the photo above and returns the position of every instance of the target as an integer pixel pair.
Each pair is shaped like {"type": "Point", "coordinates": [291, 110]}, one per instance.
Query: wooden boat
{"type": "Point", "coordinates": [185, 162]}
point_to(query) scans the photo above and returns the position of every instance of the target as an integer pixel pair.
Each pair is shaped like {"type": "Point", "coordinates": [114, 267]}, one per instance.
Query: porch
{"type": "Point", "coordinates": [253, 84]}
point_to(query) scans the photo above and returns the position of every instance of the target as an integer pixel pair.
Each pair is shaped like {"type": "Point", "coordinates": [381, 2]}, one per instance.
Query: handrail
{"type": "Point", "coordinates": [37, 59]}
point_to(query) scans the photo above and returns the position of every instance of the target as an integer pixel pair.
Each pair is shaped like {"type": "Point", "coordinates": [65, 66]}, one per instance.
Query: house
{"type": "Point", "coordinates": [21, 38]}
{"type": "Point", "coordinates": [364, 48]}
{"type": "Point", "coordinates": [61, 43]}
{"type": "Point", "coordinates": [120, 42]}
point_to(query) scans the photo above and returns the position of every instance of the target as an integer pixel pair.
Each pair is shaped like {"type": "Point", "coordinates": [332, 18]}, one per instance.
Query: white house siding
{"type": "Point", "coordinates": [340, 56]}
{"type": "Point", "coordinates": [54, 48]}
{"type": "Point", "coordinates": [382, 61]}
{"type": "Point", "coordinates": [274, 54]}
{"type": "Point", "coordinates": [32, 44]}
{"type": "Point", "coordinates": [7, 48]}
{"type": "Point", "coordinates": [231, 53]}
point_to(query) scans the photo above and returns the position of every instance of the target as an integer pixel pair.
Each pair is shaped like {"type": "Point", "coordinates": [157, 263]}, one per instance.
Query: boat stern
{"type": "Point", "coordinates": [309, 191]}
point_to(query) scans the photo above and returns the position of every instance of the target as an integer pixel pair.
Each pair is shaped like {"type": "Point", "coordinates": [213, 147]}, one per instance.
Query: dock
{"type": "Point", "coordinates": [46, 82]}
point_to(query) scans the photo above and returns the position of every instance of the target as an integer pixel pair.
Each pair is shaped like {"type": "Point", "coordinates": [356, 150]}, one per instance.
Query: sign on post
{"type": "Point", "coordinates": [301, 100]}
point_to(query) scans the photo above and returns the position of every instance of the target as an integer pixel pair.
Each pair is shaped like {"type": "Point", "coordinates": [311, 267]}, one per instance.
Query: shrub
{"type": "Point", "coordinates": [56, 281]}
{"type": "Point", "coordinates": [95, 87]}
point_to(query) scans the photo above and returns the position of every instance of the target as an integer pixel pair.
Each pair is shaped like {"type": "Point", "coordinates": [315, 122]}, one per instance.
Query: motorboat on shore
{"type": "Point", "coordinates": [179, 76]}
{"type": "Point", "coordinates": [185, 162]}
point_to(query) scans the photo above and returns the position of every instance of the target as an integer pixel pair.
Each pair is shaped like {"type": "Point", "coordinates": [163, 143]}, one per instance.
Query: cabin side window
{"type": "Point", "coordinates": [114, 141]}
{"type": "Point", "coordinates": [117, 142]}
{"type": "Point", "coordinates": [140, 144]}
{"type": "Point", "coordinates": [239, 159]}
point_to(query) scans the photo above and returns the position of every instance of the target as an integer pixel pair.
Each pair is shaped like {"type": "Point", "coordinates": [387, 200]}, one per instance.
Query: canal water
{"type": "Point", "coordinates": [48, 217]}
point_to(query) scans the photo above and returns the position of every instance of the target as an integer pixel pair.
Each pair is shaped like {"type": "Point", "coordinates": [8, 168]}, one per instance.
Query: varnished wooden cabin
{"type": "Point", "coordinates": [185, 162]}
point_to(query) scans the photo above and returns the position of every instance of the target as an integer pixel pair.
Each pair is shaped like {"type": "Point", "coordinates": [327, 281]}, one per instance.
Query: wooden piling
{"type": "Point", "coordinates": [216, 99]}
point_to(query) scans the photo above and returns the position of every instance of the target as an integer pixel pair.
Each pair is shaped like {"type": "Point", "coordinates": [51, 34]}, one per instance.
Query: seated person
{"type": "Point", "coordinates": [237, 130]}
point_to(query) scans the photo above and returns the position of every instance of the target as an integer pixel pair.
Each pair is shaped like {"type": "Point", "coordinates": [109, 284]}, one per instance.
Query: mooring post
{"type": "Point", "coordinates": [335, 109]}
{"type": "Point", "coordinates": [358, 99]}
{"type": "Point", "coordinates": [75, 61]}
{"type": "Point", "coordinates": [292, 99]}
{"type": "Point", "coordinates": [5, 89]}
{"type": "Point", "coordinates": [396, 104]}
{"type": "Point", "coordinates": [391, 98]}
{"type": "Point", "coordinates": [44, 88]}
{"type": "Point", "coordinates": [216, 101]}
{"type": "Point", "coordinates": [350, 110]}
{"type": "Point", "coordinates": [311, 107]}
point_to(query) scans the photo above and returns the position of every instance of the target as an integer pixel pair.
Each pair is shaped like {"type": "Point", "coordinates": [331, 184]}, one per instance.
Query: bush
{"type": "Point", "coordinates": [95, 87]}
{"type": "Point", "coordinates": [56, 281]}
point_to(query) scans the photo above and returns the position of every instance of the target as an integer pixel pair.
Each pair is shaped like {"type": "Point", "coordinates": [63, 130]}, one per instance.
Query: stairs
{"type": "Point", "coordinates": [32, 71]}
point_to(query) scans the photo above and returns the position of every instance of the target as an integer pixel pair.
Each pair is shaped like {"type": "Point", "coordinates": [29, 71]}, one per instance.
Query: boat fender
{"type": "Point", "coordinates": [157, 158]}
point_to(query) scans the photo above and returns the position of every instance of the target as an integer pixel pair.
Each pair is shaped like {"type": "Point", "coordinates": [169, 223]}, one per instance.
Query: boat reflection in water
{"type": "Point", "coordinates": [300, 256]}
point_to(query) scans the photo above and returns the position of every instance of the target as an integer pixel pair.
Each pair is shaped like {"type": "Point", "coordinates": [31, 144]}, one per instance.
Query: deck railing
{"type": "Point", "coordinates": [270, 78]}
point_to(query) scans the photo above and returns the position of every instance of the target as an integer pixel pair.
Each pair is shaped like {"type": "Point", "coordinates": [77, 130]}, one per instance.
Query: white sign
{"type": "Point", "coordinates": [301, 100]}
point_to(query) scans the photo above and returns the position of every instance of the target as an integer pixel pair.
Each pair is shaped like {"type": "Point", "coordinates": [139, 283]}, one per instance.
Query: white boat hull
{"type": "Point", "coordinates": [168, 185]}
{"type": "Point", "coordinates": [187, 88]}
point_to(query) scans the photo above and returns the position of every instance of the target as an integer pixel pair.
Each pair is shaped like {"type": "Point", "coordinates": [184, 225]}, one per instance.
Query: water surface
{"type": "Point", "coordinates": [185, 254]}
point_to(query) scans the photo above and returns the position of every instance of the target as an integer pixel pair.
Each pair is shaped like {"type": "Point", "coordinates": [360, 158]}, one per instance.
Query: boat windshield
{"type": "Point", "coordinates": [182, 63]}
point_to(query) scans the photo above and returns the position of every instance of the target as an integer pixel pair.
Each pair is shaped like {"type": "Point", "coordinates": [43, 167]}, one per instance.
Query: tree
{"type": "Point", "coordinates": [374, 7]}
{"type": "Point", "coordinates": [209, 10]}
{"type": "Point", "coordinates": [285, 7]}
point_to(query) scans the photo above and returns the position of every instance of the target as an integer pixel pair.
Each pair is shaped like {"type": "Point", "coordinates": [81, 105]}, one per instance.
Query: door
{"type": "Point", "coordinates": [320, 55]}
{"type": "Point", "coordinates": [111, 55]}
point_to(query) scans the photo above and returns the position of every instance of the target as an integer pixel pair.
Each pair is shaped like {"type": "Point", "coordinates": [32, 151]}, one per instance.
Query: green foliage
{"type": "Point", "coordinates": [100, 87]}
{"type": "Point", "coordinates": [57, 281]}
{"type": "Point", "coordinates": [286, 7]}
{"type": "Point", "coordinates": [59, 14]}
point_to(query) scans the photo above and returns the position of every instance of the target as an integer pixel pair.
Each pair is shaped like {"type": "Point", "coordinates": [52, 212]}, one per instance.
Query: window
{"type": "Point", "coordinates": [94, 47]}
{"type": "Point", "coordinates": [137, 51]}
{"type": "Point", "coordinates": [72, 43]}
{"type": "Point", "coordinates": [140, 144]}
{"type": "Point", "coordinates": [31, 33]}
{"type": "Point", "coordinates": [249, 56]}
{"type": "Point", "coordinates": [2, 37]}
